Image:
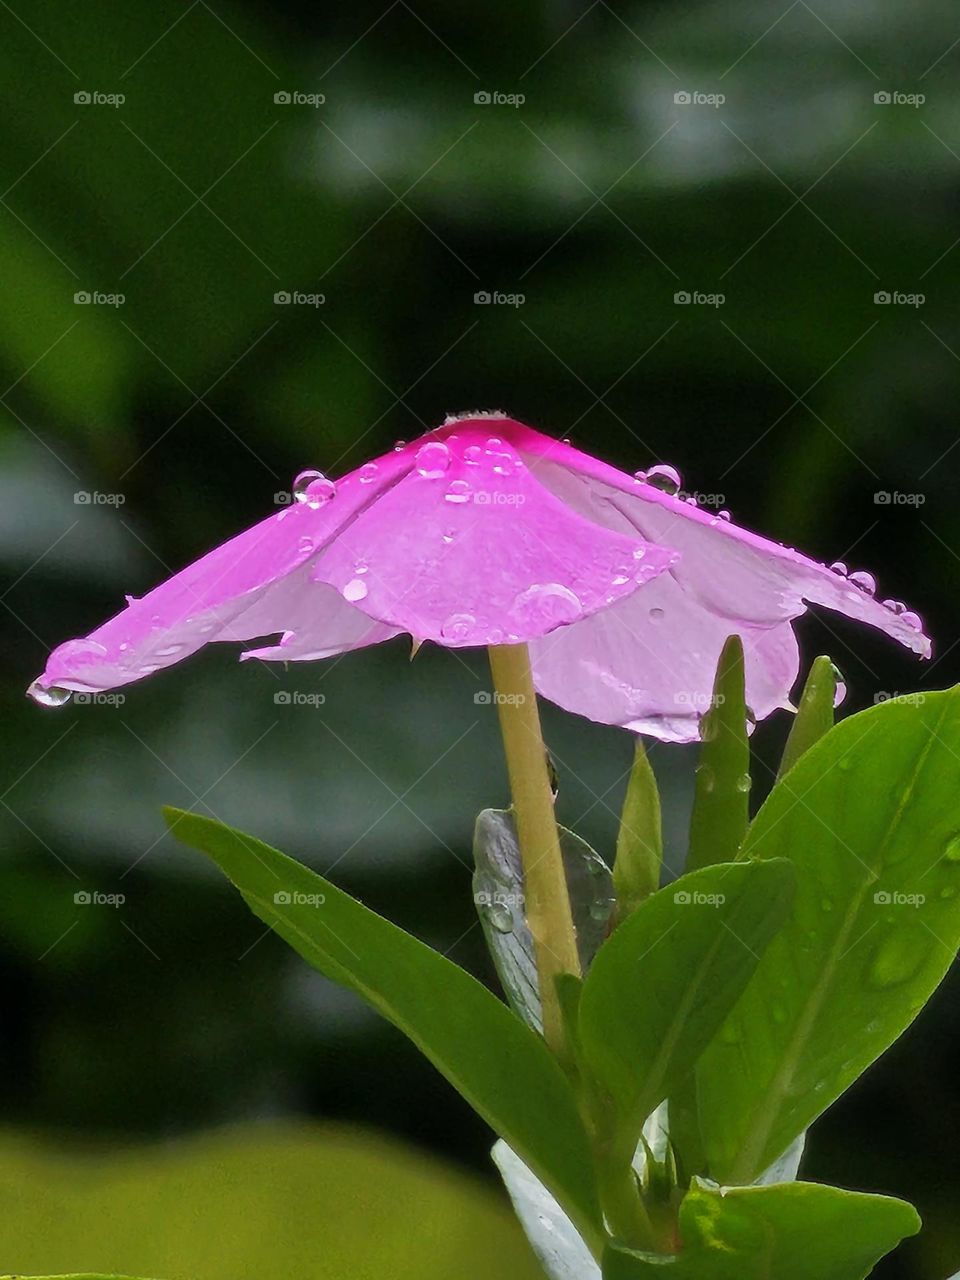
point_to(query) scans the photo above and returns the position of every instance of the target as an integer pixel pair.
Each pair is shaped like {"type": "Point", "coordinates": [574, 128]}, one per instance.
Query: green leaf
{"type": "Point", "coordinates": [502, 1068]}
{"type": "Point", "coordinates": [869, 817]}
{"type": "Point", "coordinates": [815, 713]}
{"type": "Point", "coordinates": [795, 1231]}
{"type": "Point", "coordinates": [722, 797]}
{"type": "Point", "coordinates": [665, 980]}
{"type": "Point", "coordinates": [636, 870]}
{"type": "Point", "coordinates": [498, 894]}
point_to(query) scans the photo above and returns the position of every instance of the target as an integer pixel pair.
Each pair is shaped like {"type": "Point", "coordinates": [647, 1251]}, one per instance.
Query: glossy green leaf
{"type": "Point", "coordinates": [636, 870]}
{"type": "Point", "coordinates": [502, 1068]}
{"type": "Point", "coordinates": [795, 1231]}
{"type": "Point", "coordinates": [498, 895]}
{"type": "Point", "coordinates": [722, 797]}
{"type": "Point", "coordinates": [815, 714]}
{"type": "Point", "coordinates": [665, 980]}
{"type": "Point", "coordinates": [869, 816]}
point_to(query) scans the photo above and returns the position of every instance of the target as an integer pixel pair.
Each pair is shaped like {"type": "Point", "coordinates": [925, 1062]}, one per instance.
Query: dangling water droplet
{"type": "Point", "coordinates": [313, 488]}
{"type": "Point", "coordinates": [655, 615]}
{"type": "Point", "coordinates": [433, 460]}
{"type": "Point", "coordinates": [368, 472]}
{"type": "Point", "coordinates": [951, 850]}
{"type": "Point", "coordinates": [458, 492]}
{"type": "Point", "coordinates": [355, 590]}
{"type": "Point", "coordinates": [864, 582]}
{"type": "Point", "coordinates": [458, 627]}
{"type": "Point", "coordinates": [839, 567]}
{"type": "Point", "coordinates": [50, 695]}
{"type": "Point", "coordinates": [665, 478]}
{"type": "Point", "coordinates": [841, 690]}
{"type": "Point", "coordinates": [546, 604]}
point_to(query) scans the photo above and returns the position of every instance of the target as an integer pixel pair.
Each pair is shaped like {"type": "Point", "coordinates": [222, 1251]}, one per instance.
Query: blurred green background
{"type": "Point", "coordinates": [621, 180]}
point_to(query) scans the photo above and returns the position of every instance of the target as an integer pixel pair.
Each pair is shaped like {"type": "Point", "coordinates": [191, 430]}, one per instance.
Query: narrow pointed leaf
{"type": "Point", "coordinates": [870, 818]}
{"type": "Point", "coordinates": [502, 1068]}
{"type": "Point", "coordinates": [795, 1231]}
{"type": "Point", "coordinates": [498, 895]}
{"type": "Point", "coordinates": [815, 714]}
{"type": "Point", "coordinates": [721, 801]}
{"type": "Point", "coordinates": [636, 871]}
{"type": "Point", "coordinates": [663, 983]}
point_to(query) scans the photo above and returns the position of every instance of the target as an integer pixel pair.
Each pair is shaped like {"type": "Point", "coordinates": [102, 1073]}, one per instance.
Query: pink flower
{"type": "Point", "coordinates": [486, 532]}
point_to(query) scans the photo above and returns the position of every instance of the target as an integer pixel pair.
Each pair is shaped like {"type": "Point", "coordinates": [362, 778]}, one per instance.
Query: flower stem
{"type": "Point", "coordinates": [547, 901]}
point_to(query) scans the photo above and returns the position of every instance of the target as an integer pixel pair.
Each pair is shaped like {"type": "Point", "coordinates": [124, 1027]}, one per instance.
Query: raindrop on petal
{"type": "Point", "coordinates": [912, 620]}
{"type": "Point", "coordinates": [433, 459]}
{"type": "Point", "coordinates": [458, 627]}
{"type": "Point", "coordinates": [313, 488]}
{"type": "Point", "coordinates": [368, 472]}
{"type": "Point", "coordinates": [50, 695]}
{"type": "Point", "coordinates": [665, 478]}
{"type": "Point", "coordinates": [355, 590]}
{"type": "Point", "coordinates": [839, 567]}
{"type": "Point", "coordinates": [864, 582]}
{"type": "Point", "coordinates": [655, 615]}
{"type": "Point", "coordinates": [546, 604]}
{"type": "Point", "coordinates": [458, 492]}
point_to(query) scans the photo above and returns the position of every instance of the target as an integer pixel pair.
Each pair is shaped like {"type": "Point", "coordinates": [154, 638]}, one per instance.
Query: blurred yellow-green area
{"type": "Point", "coordinates": [241, 238]}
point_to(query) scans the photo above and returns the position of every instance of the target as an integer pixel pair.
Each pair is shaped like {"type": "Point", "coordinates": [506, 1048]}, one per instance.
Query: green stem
{"type": "Point", "coordinates": [623, 1206]}
{"type": "Point", "coordinates": [547, 902]}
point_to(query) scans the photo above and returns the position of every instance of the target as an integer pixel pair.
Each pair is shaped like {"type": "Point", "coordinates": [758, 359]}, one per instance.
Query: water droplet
{"type": "Point", "coordinates": [546, 604]}
{"type": "Point", "coordinates": [895, 606]}
{"type": "Point", "coordinates": [912, 620]}
{"type": "Point", "coordinates": [458, 492]}
{"type": "Point", "coordinates": [655, 615]}
{"type": "Point", "coordinates": [503, 463]}
{"type": "Point", "coordinates": [705, 777]}
{"type": "Point", "coordinates": [399, 445]}
{"type": "Point", "coordinates": [665, 478]}
{"type": "Point", "coordinates": [864, 582]}
{"type": "Point", "coordinates": [458, 627]}
{"type": "Point", "coordinates": [951, 850]}
{"type": "Point", "coordinates": [50, 695]}
{"type": "Point", "coordinates": [169, 651]}
{"type": "Point", "coordinates": [448, 535]}
{"type": "Point", "coordinates": [305, 546]}
{"type": "Point", "coordinates": [500, 916]}
{"type": "Point", "coordinates": [840, 692]}
{"type": "Point", "coordinates": [368, 472]}
{"type": "Point", "coordinates": [356, 589]}
{"type": "Point", "coordinates": [433, 460]}
{"type": "Point", "coordinates": [313, 488]}
{"type": "Point", "coordinates": [898, 958]}
{"type": "Point", "coordinates": [473, 454]}
{"type": "Point", "coordinates": [361, 566]}
{"type": "Point", "coordinates": [839, 567]}
{"type": "Point", "coordinates": [723, 515]}
{"type": "Point", "coordinates": [744, 782]}
{"type": "Point", "coordinates": [948, 892]}
{"type": "Point", "coordinates": [640, 477]}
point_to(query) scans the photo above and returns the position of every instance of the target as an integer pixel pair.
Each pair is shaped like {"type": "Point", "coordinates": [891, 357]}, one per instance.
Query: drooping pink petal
{"type": "Point", "coordinates": [468, 548]}
{"type": "Point", "coordinates": [248, 587]}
